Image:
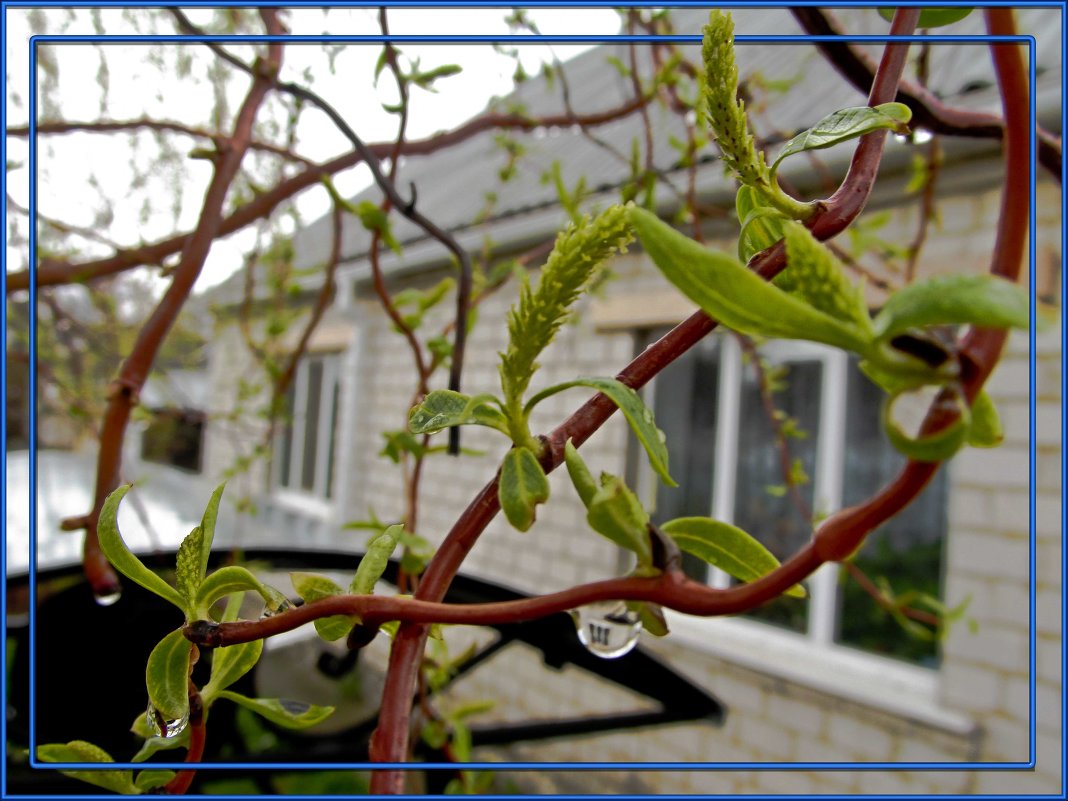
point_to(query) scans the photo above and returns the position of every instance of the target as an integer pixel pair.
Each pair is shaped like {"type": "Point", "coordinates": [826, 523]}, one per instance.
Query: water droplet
{"type": "Point", "coordinates": [277, 609]}
{"type": "Point", "coordinates": [607, 628]}
{"type": "Point", "coordinates": [162, 727]}
{"type": "Point", "coordinates": [107, 598]}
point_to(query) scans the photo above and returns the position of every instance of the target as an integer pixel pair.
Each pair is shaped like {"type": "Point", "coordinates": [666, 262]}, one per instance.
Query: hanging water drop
{"type": "Point", "coordinates": [607, 628]}
{"type": "Point", "coordinates": [277, 609]}
{"type": "Point", "coordinates": [162, 727]}
{"type": "Point", "coordinates": [107, 598]}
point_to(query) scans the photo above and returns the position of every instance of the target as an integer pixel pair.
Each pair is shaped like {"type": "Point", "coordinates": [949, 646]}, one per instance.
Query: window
{"type": "Point", "coordinates": [174, 437]}
{"type": "Point", "coordinates": [723, 453]}
{"type": "Point", "coordinates": [304, 450]}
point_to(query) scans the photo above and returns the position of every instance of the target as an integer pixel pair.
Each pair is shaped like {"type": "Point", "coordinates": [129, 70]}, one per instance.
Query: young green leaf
{"type": "Point", "coordinates": [229, 663]}
{"type": "Point", "coordinates": [846, 124]}
{"type": "Point", "coordinates": [187, 576]}
{"type": "Point", "coordinates": [986, 430]}
{"type": "Point", "coordinates": [935, 447]}
{"type": "Point", "coordinates": [117, 781]}
{"type": "Point", "coordinates": [207, 528]}
{"type": "Point", "coordinates": [616, 513]}
{"type": "Point", "coordinates": [375, 559]}
{"type": "Point", "coordinates": [443, 408]}
{"type": "Point", "coordinates": [581, 476]}
{"type": "Point", "coordinates": [123, 559]}
{"type": "Point", "coordinates": [633, 408]}
{"type": "Point", "coordinates": [229, 579]}
{"type": "Point", "coordinates": [282, 711]}
{"type": "Point", "coordinates": [151, 779]}
{"type": "Point", "coordinates": [761, 228]}
{"type": "Point", "coordinates": [733, 295]}
{"type": "Point", "coordinates": [312, 587]}
{"type": "Point", "coordinates": [651, 616]}
{"type": "Point", "coordinates": [167, 676]}
{"type": "Point", "coordinates": [523, 485]}
{"type": "Point", "coordinates": [982, 300]}
{"type": "Point", "coordinates": [727, 547]}
{"type": "Point", "coordinates": [932, 17]}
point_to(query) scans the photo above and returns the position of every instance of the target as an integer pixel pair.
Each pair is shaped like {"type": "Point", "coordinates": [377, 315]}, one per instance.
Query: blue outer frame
{"type": "Point", "coordinates": [668, 766]}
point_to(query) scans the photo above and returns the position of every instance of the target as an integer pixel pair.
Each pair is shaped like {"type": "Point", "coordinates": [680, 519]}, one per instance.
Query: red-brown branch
{"type": "Point", "coordinates": [927, 110]}
{"type": "Point", "coordinates": [51, 272]}
{"type": "Point", "coordinates": [124, 390]}
{"type": "Point", "coordinates": [390, 740]}
{"type": "Point", "coordinates": [146, 124]}
{"type": "Point", "coordinates": [198, 734]}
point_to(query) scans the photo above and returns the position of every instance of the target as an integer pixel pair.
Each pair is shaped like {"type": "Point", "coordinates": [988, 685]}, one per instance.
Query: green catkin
{"type": "Point", "coordinates": [724, 111]}
{"type": "Point", "coordinates": [579, 251]}
{"type": "Point", "coordinates": [815, 276]}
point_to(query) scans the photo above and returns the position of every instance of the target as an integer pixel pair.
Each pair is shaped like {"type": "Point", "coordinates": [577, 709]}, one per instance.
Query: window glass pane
{"type": "Point", "coordinates": [311, 424]}
{"type": "Point", "coordinates": [685, 407]}
{"type": "Point", "coordinates": [762, 506]}
{"type": "Point", "coordinates": [333, 440]}
{"type": "Point", "coordinates": [286, 450]}
{"type": "Point", "coordinates": [906, 551]}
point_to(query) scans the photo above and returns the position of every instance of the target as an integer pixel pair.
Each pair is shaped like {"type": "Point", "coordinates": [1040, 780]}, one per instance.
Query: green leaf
{"type": "Point", "coordinates": [229, 579]}
{"type": "Point", "coordinates": [616, 513]}
{"type": "Point", "coordinates": [443, 408]}
{"type": "Point", "coordinates": [523, 485]}
{"type": "Point", "coordinates": [229, 663]}
{"type": "Point", "coordinates": [187, 565]}
{"type": "Point", "coordinates": [152, 778]}
{"type": "Point", "coordinates": [986, 430]}
{"type": "Point", "coordinates": [633, 408]}
{"type": "Point", "coordinates": [117, 781]}
{"type": "Point", "coordinates": [736, 297]}
{"type": "Point", "coordinates": [581, 476]}
{"type": "Point", "coordinates": [846, 124]}
{"type": "Point", "coordinates": [153, 744]}
{"type": "Point", "coordinates": [313, 587]}
{"type": "Point", "coordinates": [932, 17]}
{"type": "Point", "coordinates": [282, 711]}
{"type": "Point", "coordinates": [935, 447]}
{"type": "Point", "coordinates": [374, 218]}
{"type": "Point", "coordinates": [167, 676]}
{"type": "Point", "coordinates": [727, 547]}
{"type": "Point", "coordinates": [981, 300]}
{"type": "Point", "coordinates": [121, 557]}
{"type": "Point", "coordinates": [761, 229]}
{"type": "Point", "coordinates": [651, 616]}
{"type": "Point", "coordinates": [207, 528]}
{"type": "Point", "coordinates": [375, 560]}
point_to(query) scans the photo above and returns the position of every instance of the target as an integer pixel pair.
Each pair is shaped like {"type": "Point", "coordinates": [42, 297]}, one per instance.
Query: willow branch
{"type": "Point", "coordinates": [148, 124]}
{"type": "Point", "coordinates": [927, 110]}
{"type": "Point", "coordinates": [51, 272]}
{"type": "Point", "coordinates": [124, 391]}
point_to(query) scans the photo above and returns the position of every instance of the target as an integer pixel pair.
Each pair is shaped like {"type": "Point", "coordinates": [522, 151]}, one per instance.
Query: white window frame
{"type": "Point", "coordinates": [812, 658]}
{"type": "Point", "coordinates": [313, 502]}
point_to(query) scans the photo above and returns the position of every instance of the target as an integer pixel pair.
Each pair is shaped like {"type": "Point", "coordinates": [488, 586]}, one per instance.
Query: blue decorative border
{"type": "Point", "coordinates": [664, 766]}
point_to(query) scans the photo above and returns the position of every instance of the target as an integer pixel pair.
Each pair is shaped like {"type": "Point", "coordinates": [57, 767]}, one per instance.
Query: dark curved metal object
{"type": "Point", "coordinates": [68, 642]}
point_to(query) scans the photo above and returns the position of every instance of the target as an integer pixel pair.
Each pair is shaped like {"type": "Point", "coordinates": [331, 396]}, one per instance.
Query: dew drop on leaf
{"type": "Point", "coordinates": [607, 628]}
{"type": "Point", "coordinates": [162, 727]}
{"type": "Point", "coordinates": [271, 611]}
{"type": "Point", "coordinates": [107, 598]}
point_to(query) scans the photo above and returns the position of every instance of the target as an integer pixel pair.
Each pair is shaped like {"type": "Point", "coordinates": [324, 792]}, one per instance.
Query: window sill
{"type": "Point", "coordinates": [302, 503]}
{"type": "Point", "coordinates": [906, 691]}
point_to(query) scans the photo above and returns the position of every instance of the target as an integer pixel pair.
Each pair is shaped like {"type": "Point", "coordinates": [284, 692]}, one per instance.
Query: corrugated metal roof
{"type": "Point", "coordinates": [452, 184]}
